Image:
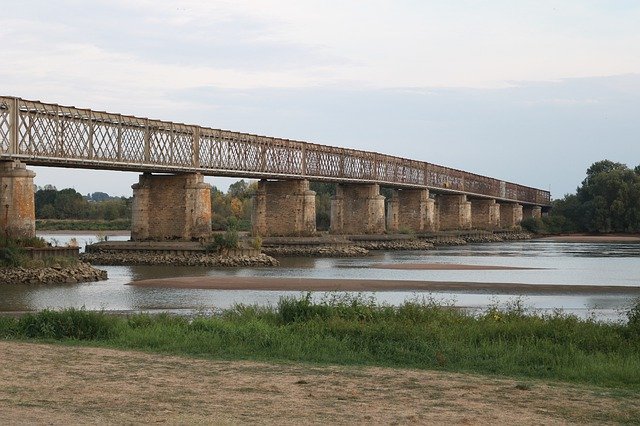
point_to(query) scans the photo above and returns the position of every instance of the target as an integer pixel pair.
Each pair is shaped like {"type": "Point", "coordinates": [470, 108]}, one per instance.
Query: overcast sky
{"type": "Point", "coordinates": [527, 91]}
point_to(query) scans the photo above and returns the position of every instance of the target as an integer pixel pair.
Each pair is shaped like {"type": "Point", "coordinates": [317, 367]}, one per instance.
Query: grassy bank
{"type": "Point", "coordinates": [357, 332]}
{"type": "Point", "coordinates": [83, 225]}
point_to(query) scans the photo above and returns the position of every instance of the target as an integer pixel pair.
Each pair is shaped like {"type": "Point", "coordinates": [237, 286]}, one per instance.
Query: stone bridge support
{"type": "Point", "coordinates": [171, 207]}
{"type": "Point", "coordinates": [18, 215]}
{"type": "Point", "coordinates": [529, 211]}
{"type": "Point", "coordinates": [284, 208]}
{"type": "Point", "coordinates": [357, 209]}
{"type": "Point", "coordinates": [411, 210]}
{"type": "Point", "coordinates": [454, 212]}
{"type": "Point", "coordinates": [510, 215]}
{"type": "Point", "coordinates": [485, 214]}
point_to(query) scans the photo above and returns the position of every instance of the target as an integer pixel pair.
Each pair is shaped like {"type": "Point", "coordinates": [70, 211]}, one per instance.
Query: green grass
{"type": "Point", "coordinates": [82, 225]}
{"type": "Point", "coordinates": [423, 335]}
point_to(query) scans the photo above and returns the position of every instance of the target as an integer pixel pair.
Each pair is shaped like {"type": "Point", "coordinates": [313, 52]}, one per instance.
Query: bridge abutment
{"type": "Point", "coordinates": [18, 216]}
{"type": "Point", "coordinates": [510, 215]}
{"type": "Point", "coordinates": [529, 211]}
{"type": "Point", "coordinates": [485, 214]}
{"type": "Point", "coordinates": [284, 208]}
{"type": "Point", "coordinates": [357, 209]}
{"type": "Point", "coordinates": [171, 207]}
{"type": "Point", "coordinates": [454, 212]}
{"type": "Point", "coordinates": [411, 210]}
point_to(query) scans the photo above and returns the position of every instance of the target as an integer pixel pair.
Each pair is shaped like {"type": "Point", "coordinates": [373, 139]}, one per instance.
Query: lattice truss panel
{"type": "Point", "coordinates": [323, 161]}
{"type": "Point", "coordinates": [4, 125]}
{"type": "Point", "coordinates": [38, 129]}
{"type": "Point", "coordinates": [133, 136]}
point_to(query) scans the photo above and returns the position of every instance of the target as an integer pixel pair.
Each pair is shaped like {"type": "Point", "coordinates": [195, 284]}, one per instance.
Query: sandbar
{"type": "Point", "coordinates": [447, 267]}
{"type": "Point", "coordinates": [581, 238]}
{"type": "Point", "coordinates": [318, 284]}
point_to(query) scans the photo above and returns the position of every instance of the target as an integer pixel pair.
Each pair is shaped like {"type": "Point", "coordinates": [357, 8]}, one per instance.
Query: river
{"type": "Point", "coordinates": [560, 263]}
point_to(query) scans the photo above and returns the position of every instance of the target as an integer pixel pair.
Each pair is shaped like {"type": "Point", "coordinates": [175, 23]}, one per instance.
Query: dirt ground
{"type": "Point", "coordinates": [69, 385]}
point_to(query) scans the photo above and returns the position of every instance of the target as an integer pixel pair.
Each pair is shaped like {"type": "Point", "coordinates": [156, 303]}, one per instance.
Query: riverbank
{"type": "Point", "coordinates": [584, 238]}
{"type": "Point", "coordinates": [334, 284]}
{"type": "Point", "coordinates": [506, 340]}
{"type": "Point", "coordinates": [183, 390]}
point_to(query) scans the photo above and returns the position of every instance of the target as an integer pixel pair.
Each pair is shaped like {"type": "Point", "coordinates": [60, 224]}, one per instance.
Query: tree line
{"type": "Point", "coordinates": [607, 201]}
{"type": "Point", "coordinates": [51, 203]}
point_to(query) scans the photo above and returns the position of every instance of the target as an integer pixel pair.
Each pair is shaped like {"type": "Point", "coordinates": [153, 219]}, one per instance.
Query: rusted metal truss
{"type": "Point", "coordinates": [54, 135]}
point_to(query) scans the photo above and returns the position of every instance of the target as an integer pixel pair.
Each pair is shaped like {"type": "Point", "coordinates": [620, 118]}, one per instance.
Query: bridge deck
{"type": "Point", "coordinates": [53, 135]}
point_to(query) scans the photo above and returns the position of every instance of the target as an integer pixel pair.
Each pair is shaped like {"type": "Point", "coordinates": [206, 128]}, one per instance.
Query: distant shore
{"type": "Point", "coordinates": [585, 238]}
{"type": "Point", "coordinates": [115, 233]}
{"type": "Point", "coordinates": [315, 284]}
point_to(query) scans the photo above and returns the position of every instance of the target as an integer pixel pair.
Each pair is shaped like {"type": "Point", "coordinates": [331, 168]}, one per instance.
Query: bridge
{"type": "Point", "coordinates": [170, 199]}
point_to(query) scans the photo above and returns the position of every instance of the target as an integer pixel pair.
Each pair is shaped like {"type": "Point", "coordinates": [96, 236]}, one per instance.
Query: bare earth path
{"type": "Point", "coordinates": [68, 385]}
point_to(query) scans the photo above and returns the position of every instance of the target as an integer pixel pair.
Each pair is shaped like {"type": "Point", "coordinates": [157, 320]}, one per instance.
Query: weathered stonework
{"type": "Point", "coordinates": [171, 207]}
{"type": "Point", "coordinates": [485, 214]}
{"type": "Point", "coordinates": [454, 212]}
{"type": "Point", "coordinates": [510, 215]}
{"type": "Point", "coordinates": [411, 209]}
{"type": "Point", "coordinates": [284, 208]}
{"type": "Point", "coordinates": [529, 211]}
{"type": "Point", "coordinates": [18, 215]}
{"type": "Point", "coordinates": [357, 209]}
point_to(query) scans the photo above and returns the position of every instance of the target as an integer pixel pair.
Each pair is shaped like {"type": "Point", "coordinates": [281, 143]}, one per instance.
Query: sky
{"type": "Point", "coordinates": [531, 92]}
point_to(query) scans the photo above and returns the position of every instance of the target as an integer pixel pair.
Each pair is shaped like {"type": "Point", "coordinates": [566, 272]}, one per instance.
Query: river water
{"type": "Point", "coordinates": [560, 263]}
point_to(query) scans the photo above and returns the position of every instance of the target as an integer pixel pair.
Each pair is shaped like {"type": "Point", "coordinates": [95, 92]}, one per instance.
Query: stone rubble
{"type": "Point", "coordinates": [79, 273]}
{"type": "Point", "coordinates": [142, 258]}
{"type": "Point", "coordinates": [316, 250]}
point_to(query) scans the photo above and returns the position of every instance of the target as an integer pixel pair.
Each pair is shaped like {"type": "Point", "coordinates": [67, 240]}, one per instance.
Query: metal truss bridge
{"type": "Point", "coordinates": [46, 134]}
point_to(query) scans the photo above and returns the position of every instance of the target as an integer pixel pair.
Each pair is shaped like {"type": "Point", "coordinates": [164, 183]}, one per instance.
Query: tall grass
{"type": "Point", "coordinates": [355, 331]}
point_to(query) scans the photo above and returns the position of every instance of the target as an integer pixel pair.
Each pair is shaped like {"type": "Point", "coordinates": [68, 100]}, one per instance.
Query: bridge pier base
{"type": "Point", "coordinates": [411, 210]}
{"type": "Point", "coordinates": [510, 215]}
{"type": "Point", "coordinates": [454, 212]}
{"type": "Point", "coordinates": [357, 209]}
{"type": "Point", "coordinates": [18, 215]}
{"type": "Point", "coordinates": [531, 212]}
{"type": "Point", "coordinates": [485, 214]}
{"type": "Point", "coordinates": [284, 208]}
{"type": "Point", "coordinates": [171, 207]}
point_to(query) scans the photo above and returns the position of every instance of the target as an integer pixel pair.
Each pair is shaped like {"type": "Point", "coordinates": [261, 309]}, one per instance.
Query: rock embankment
{"type": "Point", "coordinates": [396, 245]}
{"type": "Point", "coordinates": [142, 258]}
{"type": "Point", "coordinates": [79, 273]}
{"type": "Point", "coordinates": [515, 236]}
{"type": "Point", "coordinates": [307, 251]}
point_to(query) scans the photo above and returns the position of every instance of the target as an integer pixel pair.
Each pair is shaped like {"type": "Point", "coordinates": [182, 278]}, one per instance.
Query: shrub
{"type": "Point", "coordinates": [68, 324]}
{"type": "Point", "coordinates": [534, 225]}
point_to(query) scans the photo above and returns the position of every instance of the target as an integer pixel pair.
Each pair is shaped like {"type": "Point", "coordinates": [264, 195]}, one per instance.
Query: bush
{"type": "Point", "coordinates": [68, 324]}
{"type": "Point", "coordinates": [534, 225]}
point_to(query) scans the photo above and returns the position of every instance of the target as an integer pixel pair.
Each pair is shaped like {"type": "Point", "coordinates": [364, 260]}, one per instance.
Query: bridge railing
{"type": "Point", "coordinates": [50, 134]}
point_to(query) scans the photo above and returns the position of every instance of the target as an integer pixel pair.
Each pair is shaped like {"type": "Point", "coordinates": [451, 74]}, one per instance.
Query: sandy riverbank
{"type": "Point", "coordinates": [582, 238]}
{"type": "Point", "coordinates": [316, 284]}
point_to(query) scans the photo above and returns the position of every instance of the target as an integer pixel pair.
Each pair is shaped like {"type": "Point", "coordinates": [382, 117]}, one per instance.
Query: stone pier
{"type": "Point", "coordinates": [454, 212]}
{"type": "Point", "coordinates": [529, 211]}
{"type": "Point", "coordinates": [284, 208]}
{"type": "Point", "coordinates": [485, 214]}
{"type": "Point", "coordinates": [411, 210]}
{"type": "Point", "coordinates": [18, 215]}
{"type": "Point", "coordinates": [510, 215]}
{"type": "Point", "coordinates": [357, 209]}
{"type": "Point", "coordinates": [171, 207]}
